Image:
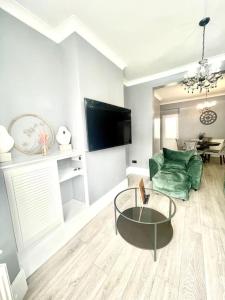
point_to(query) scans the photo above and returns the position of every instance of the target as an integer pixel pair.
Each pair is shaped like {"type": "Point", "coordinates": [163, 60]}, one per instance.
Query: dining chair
{"type": "Point", "coordinates": [180, 144]}
{"type": "Point", "coordinates": [169, 144]}
{"type": "Point", "coordinates": [190, 145]}
{"type": "Point", "coordinates": [216, 151]}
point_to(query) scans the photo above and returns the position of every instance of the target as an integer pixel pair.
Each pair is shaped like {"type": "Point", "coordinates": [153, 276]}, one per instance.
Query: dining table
{"type": "Point", "coordinates": [206, 145]}
{"type": "Point", "coordinates": [203, 146]}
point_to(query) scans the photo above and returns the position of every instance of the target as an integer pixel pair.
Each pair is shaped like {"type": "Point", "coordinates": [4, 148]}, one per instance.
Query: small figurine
{"type": "Point", "coordinates": [43, 141]}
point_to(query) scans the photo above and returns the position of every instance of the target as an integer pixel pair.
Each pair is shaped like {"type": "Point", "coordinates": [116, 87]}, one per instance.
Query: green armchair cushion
{"type": "Point", "coordinates": [194, 171]}
{"type": "Point", "coordinates": [155, 164]}
{"type": "Point", "coordinates": [174, 184]}
{"type": "Point", "coordinates": [172, 164]}
{"type": "Point", "coordinates": [182, 156]}
{"type": "Point", "coordinates": [175, 172]}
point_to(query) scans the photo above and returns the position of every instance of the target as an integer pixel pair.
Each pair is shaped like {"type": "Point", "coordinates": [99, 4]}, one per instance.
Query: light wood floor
{"type": "Point", "coordinates": [97, 264]}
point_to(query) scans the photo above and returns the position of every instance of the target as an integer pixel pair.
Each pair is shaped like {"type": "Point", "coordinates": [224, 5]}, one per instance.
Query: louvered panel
{"type": "Point", "coordinates": [37, 198]}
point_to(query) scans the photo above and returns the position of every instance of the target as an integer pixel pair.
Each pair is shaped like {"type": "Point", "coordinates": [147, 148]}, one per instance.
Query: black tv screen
{"type": "Point", "coordinates": [107, 125]}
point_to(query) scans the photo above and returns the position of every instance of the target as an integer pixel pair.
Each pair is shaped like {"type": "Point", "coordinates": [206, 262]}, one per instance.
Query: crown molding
{"type": "Point", "coordinates": [157, 76]}
{"type": "Point", "coordinates": [62, 31]}
{"type": "Point", "coordinates": [174, 71]}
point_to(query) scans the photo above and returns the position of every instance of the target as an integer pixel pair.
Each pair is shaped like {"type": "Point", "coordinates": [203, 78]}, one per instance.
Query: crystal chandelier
{"type": "Point", "coordinates": [204, 78]}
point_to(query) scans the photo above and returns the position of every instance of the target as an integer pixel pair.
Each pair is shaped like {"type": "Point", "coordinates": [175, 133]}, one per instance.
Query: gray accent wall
{"type": "Point", "coordinates": [72, 102]}
{"type": "Point", "coordinates": [88, 74]}
{"type": "Point", "coordinates": [140, 99]}
{"type": "Point", "coordinates": [49, 79]}
{"type": "Point", "coordinates": [31, 78]}
{"type": "Point", "coordinates": [189, 123]}
{"type": "Point", "coordinates": [103, 81]}
{"type": "Point", "coordinates": [106, 168]}
{"type": "Point", "coordinates": [30, 82]}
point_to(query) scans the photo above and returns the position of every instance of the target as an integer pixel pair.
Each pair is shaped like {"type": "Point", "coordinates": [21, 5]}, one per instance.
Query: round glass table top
{"type": "Point", "coordinates": [159, 208]}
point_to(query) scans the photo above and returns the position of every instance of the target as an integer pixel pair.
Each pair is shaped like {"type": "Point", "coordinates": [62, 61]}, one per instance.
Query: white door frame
{"type": "Point", "coordinates": [5, 288]}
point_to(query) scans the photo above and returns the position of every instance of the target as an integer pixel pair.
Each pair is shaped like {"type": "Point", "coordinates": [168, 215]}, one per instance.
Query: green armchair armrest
{"type": "Point", "coordinates": [194, 170]}
{"type": "Point", "coordinates": [155, 164]}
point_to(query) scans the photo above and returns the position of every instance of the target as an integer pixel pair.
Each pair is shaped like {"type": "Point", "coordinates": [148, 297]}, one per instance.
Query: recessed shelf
{"type": "Point", "coordinates": [68, 173]}
{"type": "Point", "coordinates": [72, 209]}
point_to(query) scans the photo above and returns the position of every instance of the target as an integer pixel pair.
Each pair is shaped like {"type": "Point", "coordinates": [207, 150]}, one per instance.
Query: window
{"type": "Point", "coordinates": [169, 131]}
{"type": "Point", "coordinates": [157, 128]}
{"type": "Point", "coordinates": [170, 126]}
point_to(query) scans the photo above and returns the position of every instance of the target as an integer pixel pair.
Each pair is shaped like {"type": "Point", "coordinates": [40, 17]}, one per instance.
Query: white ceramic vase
{"type": "Point", "coordinates": [6, 141]}
{"type": "Point", "coordinates": [63, 138]}
{"type": "Point", "coordinates": [6, 144]}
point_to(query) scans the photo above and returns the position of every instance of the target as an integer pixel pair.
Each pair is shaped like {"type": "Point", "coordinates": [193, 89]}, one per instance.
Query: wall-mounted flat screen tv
{"type": "Point", "coordinates": [107, 125]}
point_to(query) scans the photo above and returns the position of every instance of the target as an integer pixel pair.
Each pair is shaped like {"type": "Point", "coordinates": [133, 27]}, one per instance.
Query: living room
{"type": "Point", "coordinates": [111, 173]}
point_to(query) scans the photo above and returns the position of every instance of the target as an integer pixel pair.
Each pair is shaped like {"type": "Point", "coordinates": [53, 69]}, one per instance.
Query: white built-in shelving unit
{"type": "Point", "coordinates": [44, 192]}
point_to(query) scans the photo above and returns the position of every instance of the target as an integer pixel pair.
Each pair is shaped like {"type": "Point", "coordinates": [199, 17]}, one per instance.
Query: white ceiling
{"type": "Point", "coordinates": [174, 92]}
{"type": "Point", "coordinates": [148, 36]}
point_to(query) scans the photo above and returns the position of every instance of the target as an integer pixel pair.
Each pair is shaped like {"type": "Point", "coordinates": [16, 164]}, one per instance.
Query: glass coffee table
{"type": "Point", "coordinates": [145, 226]}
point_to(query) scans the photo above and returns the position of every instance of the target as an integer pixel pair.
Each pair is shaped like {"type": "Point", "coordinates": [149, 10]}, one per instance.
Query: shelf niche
{"type": "Point", "coordinates": [71, 181]}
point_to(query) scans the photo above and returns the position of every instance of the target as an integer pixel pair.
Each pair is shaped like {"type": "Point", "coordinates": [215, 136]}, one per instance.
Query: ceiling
{"type": "Point", "coordinates": [149, 36]}
{"type": "Point", "coordinates": [174, 92]}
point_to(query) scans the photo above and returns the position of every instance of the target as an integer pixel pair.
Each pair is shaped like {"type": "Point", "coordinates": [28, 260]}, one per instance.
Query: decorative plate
{"type": "Point", "coordinates": [25, 131]}
{"type": "Point", "coordinates": [208, 117]}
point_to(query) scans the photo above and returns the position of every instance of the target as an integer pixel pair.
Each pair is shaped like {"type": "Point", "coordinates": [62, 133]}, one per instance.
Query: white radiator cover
{"type": "Point", "coordinates": [35, 201]}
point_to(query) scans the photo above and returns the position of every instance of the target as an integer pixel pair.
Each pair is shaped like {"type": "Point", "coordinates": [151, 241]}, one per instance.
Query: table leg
{"type": "Point", "coordinates": [155, 241]}
{"type": "Point", "coordinates": [115, 219]}
{"type": "Point", "coordinates": [135, 197]}
{"type": "Point", "coordinates": [203, 157]}
{"type": "Point", "coordinates": [170, 209]}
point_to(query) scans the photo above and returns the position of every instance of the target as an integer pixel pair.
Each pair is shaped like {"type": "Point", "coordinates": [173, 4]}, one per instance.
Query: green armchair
{"type": "Point", "coordinates": [175, 173]}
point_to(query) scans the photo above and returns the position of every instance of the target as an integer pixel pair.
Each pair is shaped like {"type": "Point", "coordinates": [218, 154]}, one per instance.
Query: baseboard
{"type": "Point", "coordinates": [34, 257]}
{"type": "Point", "coordinates": [137, 171]}
{"type": "Point", "coordinates": [105, 200]}
{"type": "Point", "coordinates": [19, 286]}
